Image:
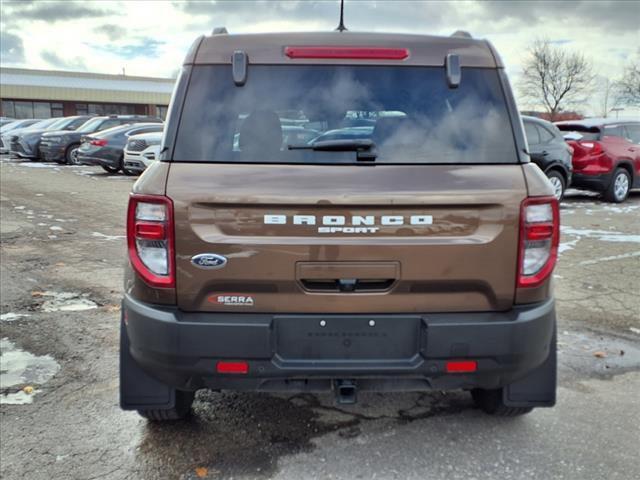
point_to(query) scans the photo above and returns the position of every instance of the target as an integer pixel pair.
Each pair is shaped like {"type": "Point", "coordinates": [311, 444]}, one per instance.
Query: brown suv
{"type": "Point", "coordinates": [340, 211]}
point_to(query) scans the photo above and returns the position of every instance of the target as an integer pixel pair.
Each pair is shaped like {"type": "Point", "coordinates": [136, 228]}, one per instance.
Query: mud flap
{"type": "Point", "coordinates": [138, 390]}
{"type": "Point", "coordinates": [538, 389]}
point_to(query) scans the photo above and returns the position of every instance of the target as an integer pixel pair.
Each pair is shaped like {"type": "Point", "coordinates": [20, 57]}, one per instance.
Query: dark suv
{"type": "Point", "coordinates": [415, 255]}
{"type": "Point", "coordinates": [550, 152]}
{"type": "Point", "coordinates": [27, 142]}
{"type": "Point", "coordinates": [606, 155]}
{"type": "Point", "coordinates": [62, 146]}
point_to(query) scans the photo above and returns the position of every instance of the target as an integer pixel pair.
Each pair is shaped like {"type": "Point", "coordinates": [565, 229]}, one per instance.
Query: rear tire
{"type": "Point", "coordinates": [71, 154]}
{"type": "Point", "coordinates": [181, 410]}
{"type": "Point", "coordinates": [558, 182]}
{"type": "Point", "coordinates": [490, 401]}
{"type": "Point", "coordinates": [618, 189]}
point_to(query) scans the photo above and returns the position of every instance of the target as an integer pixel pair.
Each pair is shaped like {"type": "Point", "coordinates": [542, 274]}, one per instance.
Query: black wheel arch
{"type": "Point", "coordinates": [558, 167]}
{"type": "Point", "coordinates": [627, 165]}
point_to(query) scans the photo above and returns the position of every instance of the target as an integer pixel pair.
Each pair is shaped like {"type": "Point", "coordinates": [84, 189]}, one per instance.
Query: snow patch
{"type": "Point", "coordinates": [11, 316]}
{"type": "Point", "coordinates": [603, 235]}
{"type": "Point", "coordinates": [23, 368]}
{"type": "Point", "coordinates": [67, 302]}
{"type": "Point", "coordinates": [107, 237]}
{"type": "Point", "coordinates": [608, 259]}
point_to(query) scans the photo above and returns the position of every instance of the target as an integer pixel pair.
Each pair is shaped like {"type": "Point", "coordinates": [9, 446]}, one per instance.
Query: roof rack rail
{"type": "Point", "coordinates": [461, 33]}
{"type": "Point", "coordinates": [219, 31]}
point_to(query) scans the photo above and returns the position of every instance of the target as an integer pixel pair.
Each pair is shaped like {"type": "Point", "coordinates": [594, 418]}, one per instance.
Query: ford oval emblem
{"type": "Point", "coordinates": [209, 261]}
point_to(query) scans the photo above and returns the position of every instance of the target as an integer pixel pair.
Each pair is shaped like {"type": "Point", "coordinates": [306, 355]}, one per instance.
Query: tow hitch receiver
{"type": "Point", "coordinates": [346, 392]}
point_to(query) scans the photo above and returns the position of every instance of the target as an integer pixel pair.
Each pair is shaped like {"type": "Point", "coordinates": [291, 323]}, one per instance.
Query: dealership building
{"type": "Point", "coordinates": [28, 93]}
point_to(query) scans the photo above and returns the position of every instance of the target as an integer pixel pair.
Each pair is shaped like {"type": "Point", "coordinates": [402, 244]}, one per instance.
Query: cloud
{"type": "Point", "coordinates": [56, 61]}
{"type": "Point", "coordinates": [144, 47]}
{"type": "Point", "coordinates": [604, 15]}
{"type": "Point", "coordinates": [11, 48]}
{"type": "Point", "coordinates": [54, 11]}
{"type": "Point", "coordinates": [112, 31]}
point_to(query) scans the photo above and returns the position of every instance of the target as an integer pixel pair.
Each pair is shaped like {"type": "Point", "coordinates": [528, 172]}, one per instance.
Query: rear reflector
{"type": "Point", "coordinates": [232, 367]}
{"type": "Point", "coordinates": [357, 53]}
{"type": "Point", "coordinates": [462, 366]}
{"type": "Point", "coordinates": [150, 230]}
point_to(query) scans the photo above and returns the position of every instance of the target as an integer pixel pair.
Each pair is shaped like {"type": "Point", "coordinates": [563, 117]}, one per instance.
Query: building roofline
{"type": "Point", "coordinates": [67, 73]}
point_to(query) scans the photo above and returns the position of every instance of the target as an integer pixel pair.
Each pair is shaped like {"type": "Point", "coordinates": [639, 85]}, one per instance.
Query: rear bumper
{"type": "Point", "coordinates": [182, 349]}
{"type": "Point", "coordinates": [84, 159]}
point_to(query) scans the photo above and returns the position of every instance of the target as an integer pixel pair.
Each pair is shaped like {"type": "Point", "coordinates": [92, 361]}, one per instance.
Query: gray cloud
{"type": "Point", "coordinates": [607, 15]}
{"type": "Point", "coordinates": [112, 31]}
{"type": "Point", "coordinates": [54, 11]}
{"type": "Point", "coordinates": [56, 61]}
{"type": "Point", "coordinates": [400, 15]}
{"type": "Point", "coordinates": [11, 48]}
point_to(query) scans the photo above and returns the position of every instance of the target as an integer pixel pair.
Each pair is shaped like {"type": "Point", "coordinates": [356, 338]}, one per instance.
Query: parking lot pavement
{"type": "Point", "coordinates": [62, 250]}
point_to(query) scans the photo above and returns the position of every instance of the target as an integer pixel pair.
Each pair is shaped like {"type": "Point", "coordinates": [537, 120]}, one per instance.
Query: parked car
{"type": "Point", "coordinates": [27, 143]}
{"type": "Point", "coordinates": [606, 155]}
{"type": "Point", "coordinates": [141, 151]}
{"type": "Point", "coordinates": [13, 138]}
{"type": "Point", "coordinates": [62, 146]}
{"type": "Point", "coordinates": [5, 120]}
{"type": "Point", "coordinates": [550, 152]}
{"type": "Point", "coordinates": [106, 148]}
{"type": "Point", "coordinates": [419, 258]}
{"type": "Point", "coordinates": [12, 127]}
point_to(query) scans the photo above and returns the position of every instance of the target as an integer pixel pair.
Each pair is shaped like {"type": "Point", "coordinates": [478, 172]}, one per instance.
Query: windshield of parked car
{"type": "Point", "coordinates": [16, 124]}
{"type": "Point", "coordinates": [91, 125]}
{"type": "Point", "coordinates": [408, 113]}
{"type": "Point", "coordinates": [43, 124]}
{"type": "Point", "coordinates": [125, 130]}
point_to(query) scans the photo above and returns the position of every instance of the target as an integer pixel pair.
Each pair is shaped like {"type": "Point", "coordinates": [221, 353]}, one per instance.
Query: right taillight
{"type": "Point", "coordinates": [539, 238]}
{"type": "Point", "coordinates": [150, 239]}
{"type": "Point", "coordinates": [592, 147]}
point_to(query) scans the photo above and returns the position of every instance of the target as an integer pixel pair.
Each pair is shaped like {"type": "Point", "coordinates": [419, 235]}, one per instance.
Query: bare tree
{"type": "Point", "coordinates": [629, 86]}
{"type": "Point", "coordinates": [607, 96]}
{"type": "Point", "coordinates": [555, 78]}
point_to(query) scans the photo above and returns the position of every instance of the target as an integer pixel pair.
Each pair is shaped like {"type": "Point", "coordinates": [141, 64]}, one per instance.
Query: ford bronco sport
{"type": "Point", "coordinates": [410, 250]}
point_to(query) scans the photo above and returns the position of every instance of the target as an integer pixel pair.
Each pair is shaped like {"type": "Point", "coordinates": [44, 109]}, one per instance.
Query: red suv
{"type": "Point", "coordinates": [606, 155]}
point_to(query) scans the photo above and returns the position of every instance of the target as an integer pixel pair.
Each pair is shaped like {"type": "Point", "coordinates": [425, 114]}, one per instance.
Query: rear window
{"type": "Point", "coordinates": [408, 114]}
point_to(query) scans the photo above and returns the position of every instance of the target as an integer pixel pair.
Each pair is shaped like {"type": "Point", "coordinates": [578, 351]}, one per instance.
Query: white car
{"type": "Point", "coordinates": [141, 150]}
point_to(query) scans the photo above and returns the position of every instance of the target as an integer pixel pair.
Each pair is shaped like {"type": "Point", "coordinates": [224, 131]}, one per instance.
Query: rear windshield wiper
{"type": "Point", "coordinates": [365, 148]}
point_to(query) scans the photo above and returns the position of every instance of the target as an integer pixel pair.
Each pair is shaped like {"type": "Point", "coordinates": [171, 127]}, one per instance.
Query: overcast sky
{"type": "Point", "coordinates": [151, 37]}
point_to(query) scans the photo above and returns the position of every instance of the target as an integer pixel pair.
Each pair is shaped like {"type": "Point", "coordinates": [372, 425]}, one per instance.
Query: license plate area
{"type": "Point", "coordinates": [317, 337]}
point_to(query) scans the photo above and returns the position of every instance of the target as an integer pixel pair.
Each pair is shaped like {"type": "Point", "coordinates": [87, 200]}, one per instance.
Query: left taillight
{"type": "Point", "coordinates": [150, 239]}
{"type": "Point", "coordinates": [539, 238]}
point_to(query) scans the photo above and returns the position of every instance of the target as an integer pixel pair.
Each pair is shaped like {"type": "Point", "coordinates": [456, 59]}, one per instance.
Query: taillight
{"type": "Point", "coordinates": [592, 147]}
{"type": "Point", "coordinates": [539, 238]}
{"type": "Point", "coordinates": [353, 53]}
{"type": "Point", "coordinates": [150, 239]}
{"type": "Point", "coordinates": [99, 142]}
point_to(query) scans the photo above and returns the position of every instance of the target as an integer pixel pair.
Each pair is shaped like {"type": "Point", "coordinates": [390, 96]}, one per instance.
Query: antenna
{"type": "Point", "coordinates": [341, 27]}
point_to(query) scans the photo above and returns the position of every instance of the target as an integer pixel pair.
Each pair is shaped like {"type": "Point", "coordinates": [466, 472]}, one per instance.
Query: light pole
{"type": "Point", "coordinates": [617, 110]}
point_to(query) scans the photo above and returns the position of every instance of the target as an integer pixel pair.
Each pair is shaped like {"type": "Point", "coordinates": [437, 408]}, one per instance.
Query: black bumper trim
{"type": "Point", "coordinates": [181, 348]}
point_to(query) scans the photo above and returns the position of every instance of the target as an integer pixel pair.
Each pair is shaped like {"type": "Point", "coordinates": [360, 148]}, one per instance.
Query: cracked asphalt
{"type": "Point", "coordinates": [61, 253]}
